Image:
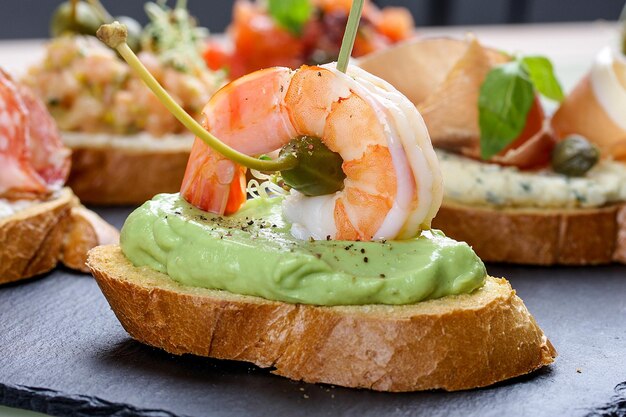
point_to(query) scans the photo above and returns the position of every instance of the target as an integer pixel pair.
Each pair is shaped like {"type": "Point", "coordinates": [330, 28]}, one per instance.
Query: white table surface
{"type": "Point", "coordinates": [571, 46]}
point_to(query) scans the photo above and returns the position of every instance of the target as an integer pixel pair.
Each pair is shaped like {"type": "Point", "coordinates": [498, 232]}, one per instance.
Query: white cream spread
{"type": "Point", "coordinates": [608, 75]}
{"type": "Point", "coordinates": [10, 207]}
{"type": "Point", "coordinates": [475, 183]}
{"type": "Point", "coordinates": [138, 141]}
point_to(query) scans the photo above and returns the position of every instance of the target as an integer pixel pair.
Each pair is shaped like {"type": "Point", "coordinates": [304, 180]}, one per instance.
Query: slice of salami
{"type": "Point", "coordinates": [49, 157]}
{"type": "Point", "coordinates": [33, 160]}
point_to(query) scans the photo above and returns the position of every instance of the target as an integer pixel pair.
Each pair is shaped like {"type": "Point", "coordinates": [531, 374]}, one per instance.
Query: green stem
{"type": "Point", "coordinates": [103, 13]}
{"type": "Point", "coordinates": [113, 37]}
{"type": "Point", "coordinates": [349, 35]}
{"type": "Point", "coordinates": [73, 5]}
{"type": "Point", "coordinates": [622, 20]}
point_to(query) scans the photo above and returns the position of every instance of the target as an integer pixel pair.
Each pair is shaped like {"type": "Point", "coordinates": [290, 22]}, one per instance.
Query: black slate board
{"type": "Point", "coordinates": [63, 352]}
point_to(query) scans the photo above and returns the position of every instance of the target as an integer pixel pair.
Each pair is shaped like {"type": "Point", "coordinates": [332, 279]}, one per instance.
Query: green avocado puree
{"type": "Point", "coordinates": [252, 252]}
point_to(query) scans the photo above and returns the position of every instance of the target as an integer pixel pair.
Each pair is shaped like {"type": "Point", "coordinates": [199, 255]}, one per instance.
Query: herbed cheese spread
{"type": "Point", "coordinates": [476, 183]}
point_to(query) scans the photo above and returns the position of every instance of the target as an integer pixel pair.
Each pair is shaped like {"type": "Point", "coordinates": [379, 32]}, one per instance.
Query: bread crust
{"type": "Point", "coordinates": [34, 240]}
{"type": "Point", "coordinates": [538, 236]}
{"type": "Point", "coordinates": [112, 175]}
{"type": "Point", "coordinates": [454, 343]}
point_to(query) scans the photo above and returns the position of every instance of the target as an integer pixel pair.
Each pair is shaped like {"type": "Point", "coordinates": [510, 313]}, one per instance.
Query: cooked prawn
{"type": "Point", "coordinates": [33, 160]}
{"type": "Point", "coordinates": [393, 186]}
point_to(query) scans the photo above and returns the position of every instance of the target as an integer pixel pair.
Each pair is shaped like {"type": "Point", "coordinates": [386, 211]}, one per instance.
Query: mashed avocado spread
{"type": "Point", "coordinates": [252, 252]}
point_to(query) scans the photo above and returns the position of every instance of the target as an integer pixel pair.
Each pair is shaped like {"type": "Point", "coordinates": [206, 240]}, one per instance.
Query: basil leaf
{"type": "Point", "coordinates": [505, 99]}
{"type": "Point", "coordinates": [290, 14]}
{"type": "Point", "coordinates": [541, 73]}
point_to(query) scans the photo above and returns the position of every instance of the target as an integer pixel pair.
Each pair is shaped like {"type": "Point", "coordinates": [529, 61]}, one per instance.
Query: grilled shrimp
{"type": "Point", "coordinates": [33, 160]}
{"type": "Point", "coordinates": [393, 186]}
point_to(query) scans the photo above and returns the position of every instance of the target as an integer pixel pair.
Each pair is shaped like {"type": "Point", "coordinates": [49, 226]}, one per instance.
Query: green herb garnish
{"type": "Point", "coordinates": [541, 74]}
{"type": "Point", "coordinates": [290, 14]}
{"type": "Point", "coordinates": [507, 95]}
{"type": "Point", "coordinates": [174, 36]}
{"type": "Point", "coordinates": [505, 99]}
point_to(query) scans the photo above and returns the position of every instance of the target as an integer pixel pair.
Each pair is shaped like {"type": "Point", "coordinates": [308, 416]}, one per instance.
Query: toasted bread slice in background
{"type": "Point", "coordinates": [453, 343]}
{"type": "Point", "coordinates": [538, 236]}
{"type": "Point", "coordinates": [34, 240]}
{"type": "Point", "coordinates": [109, 170]}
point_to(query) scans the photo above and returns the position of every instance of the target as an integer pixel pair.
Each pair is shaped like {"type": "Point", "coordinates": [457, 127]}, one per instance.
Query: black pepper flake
{"type": "Point", "coordinates": [177, 212]}
{"type": "Point", "coordinates": [203, 218]}
{"type": "Point", "coordinates": [365, 260]}
{"type": "Point", "coordinates": [274, 225]}
{"type": "Point", "coordinates": [327, 237]}
{"type": "Point", "coordinates": [319, 74]}
{"type": "Point", "coordinates": [318, 255]}
{"type": "Point", "coordinates": [382, 275]}
{"type": "Point", "coordinates": [282, 88]}
{"type": "Point", "coordinates": [251, 222]}
{"type": "Point", "coordinates": [362, 250]}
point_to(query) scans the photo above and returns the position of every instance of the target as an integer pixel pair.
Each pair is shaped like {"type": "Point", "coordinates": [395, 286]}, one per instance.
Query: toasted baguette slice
{"type": "Point", "coordinates": [119, 170]}
{"type": "Point", "coordinates": [538, 236]}
{"type": "Point", "coordinates": [454, 343]}
{"type": "Point", "coordinates": [35, 239]}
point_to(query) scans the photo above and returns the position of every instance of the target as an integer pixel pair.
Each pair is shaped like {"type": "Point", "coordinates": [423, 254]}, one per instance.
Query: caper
{"type": "Point", "coordinates": [134, 32]}
{"type": "Point", "coordinates": [85, 22]}
{"type": "Point", "coordinates": [318, 171]}
{"type": "Point", "coordinates": [574, 156]}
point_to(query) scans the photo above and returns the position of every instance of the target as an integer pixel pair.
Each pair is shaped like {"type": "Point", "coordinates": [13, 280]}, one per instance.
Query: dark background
{"type": "Point", "coordinates": [29, 18]}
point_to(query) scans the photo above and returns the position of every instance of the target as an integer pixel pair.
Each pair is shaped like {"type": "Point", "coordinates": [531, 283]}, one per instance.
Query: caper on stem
{"type": "Point", "coordinates": [74, 17]}
{"type": "Point", "coordinates": [114, 35]}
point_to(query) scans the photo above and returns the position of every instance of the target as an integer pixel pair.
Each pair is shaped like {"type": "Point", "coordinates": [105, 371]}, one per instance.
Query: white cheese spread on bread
{"type": "Point", "coordinates": [137, 141]}
{"type": "Point", "coordinates": [10, 207]}
{"type": "Point", "coordinates": [476, 183]}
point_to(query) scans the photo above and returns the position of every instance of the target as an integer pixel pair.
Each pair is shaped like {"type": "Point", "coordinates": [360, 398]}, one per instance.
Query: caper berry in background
{"type": "Point", "coordinates": [574, 156]}
{"type": "Point", "coordinates": [134, 30]}
{"type": "Point", "coordinates": [85, 22]}
{"type": "Point", "coordinates": [319, 169]}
